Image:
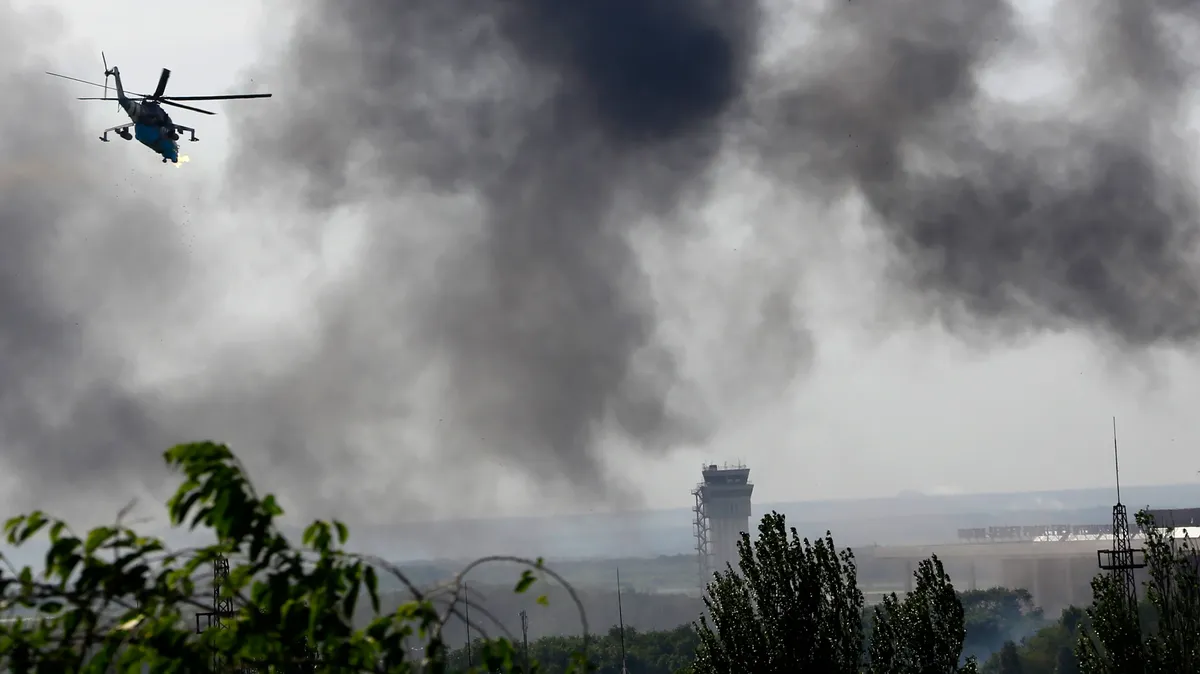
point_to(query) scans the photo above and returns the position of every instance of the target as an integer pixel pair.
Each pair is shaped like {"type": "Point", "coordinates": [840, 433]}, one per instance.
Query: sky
{"type": "Point", "coordinates": [367, 284]}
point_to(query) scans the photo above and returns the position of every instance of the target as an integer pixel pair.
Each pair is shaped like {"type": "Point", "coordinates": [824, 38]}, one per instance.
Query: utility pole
{"type": "Point", "coordinates": [621, 622]}
{"type": "Point", "coordinates": [467, 620]}
{"type": "Point", "coordinates": [525, 640]}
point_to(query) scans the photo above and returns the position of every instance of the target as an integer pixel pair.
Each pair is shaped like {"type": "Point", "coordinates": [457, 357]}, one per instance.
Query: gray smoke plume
{"type": "Point", "coordinates": [504, 156]}
{"type": "Point", "coordinates": [1017, 218]}
{"type": "Point", "coordinates": [572, 123]}
{"type": "Point", "coordinates": [569, 123]}
{"type": "Point", "coordinates": [78, 253]}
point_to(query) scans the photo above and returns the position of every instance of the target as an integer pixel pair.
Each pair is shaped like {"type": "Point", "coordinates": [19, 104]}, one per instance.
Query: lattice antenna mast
{"type": "Point", "coordinates": [222, 607]}
{"type": "Point", "coordinates": [701, 532]}
{"type": "Point", "coordinates": [1123, 558]}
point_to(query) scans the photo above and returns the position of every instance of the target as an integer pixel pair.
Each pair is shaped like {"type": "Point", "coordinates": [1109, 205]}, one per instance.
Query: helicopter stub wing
{"type": "Point", "coordinates": [118, 128]}
{"type": "Point", "coordinates": [180, 129]}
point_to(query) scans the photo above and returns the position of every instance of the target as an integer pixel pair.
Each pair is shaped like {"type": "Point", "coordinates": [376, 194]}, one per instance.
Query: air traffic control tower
{"type": "Point", "coordinates": [722, 513]}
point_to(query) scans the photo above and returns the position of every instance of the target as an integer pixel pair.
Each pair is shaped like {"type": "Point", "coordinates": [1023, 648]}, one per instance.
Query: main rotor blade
{"type": "Point", "coordinates": [163, 101]}
{"type": "Point", "coordinates": [230, 97]}
{"type": "Point", "coordinates": [162, 83]}
{"type": "Point", "coordinates": [186, 107]}
{"type": "Point", "coordinates": [76, 79]}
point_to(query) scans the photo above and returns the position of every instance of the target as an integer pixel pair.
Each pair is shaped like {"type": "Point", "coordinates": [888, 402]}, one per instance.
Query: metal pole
{"type": "Point", "coordinates": [525, 640]}
{"type": "Point", "coordinates": [467, 620]}
{"type": "Point", "coordinates": [621, 622]}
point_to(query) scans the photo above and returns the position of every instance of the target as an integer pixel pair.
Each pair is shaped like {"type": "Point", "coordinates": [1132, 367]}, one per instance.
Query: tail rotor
{"type": "Point", "coordinates": [107, 73]}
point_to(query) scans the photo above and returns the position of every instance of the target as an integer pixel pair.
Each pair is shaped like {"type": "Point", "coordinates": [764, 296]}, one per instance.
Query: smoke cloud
{"type": "Point", "coordinates": [499, 162]}
{"type": "Point", "coordinates": [567, 133]}
{"type": "Point", "coordinates": [573, 124]}
{"type": "Point", "coordinates": [1016, 218]}
{"type": "Point", "coordinates": [78, 251]}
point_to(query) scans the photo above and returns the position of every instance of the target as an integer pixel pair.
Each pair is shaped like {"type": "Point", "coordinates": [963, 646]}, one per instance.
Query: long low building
{"type": "Point", "coordinates": [1055, 563]}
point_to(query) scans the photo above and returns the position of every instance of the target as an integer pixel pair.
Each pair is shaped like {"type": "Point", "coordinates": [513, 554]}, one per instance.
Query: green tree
{"type": "Point", "coordinates": [112, 599]}
{"type": "Point", "coordinates": [794, 606]}
{"type": "Point", "coordinates": [1158, 635]}
{"type": "Point", "coordinates": [656, 652]}
{"type": "Point", "coordinates": [924, 632]}
{"type": "Point", "coordinates": [1066, 662]}
{"type": "Point", "coordinates": [1010, 659]}
{"type": "Point", "coordinates": [997, 615]}
{"type": "Point", "coordinates": [1050, 648]}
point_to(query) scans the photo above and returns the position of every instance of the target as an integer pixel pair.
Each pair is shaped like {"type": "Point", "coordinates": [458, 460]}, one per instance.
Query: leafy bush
{"type": "Point", "coordinates": [112, 599]}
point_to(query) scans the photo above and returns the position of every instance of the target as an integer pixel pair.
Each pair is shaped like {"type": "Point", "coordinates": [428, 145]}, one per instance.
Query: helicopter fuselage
{"type": "Point", "coordinates": [152, 127]}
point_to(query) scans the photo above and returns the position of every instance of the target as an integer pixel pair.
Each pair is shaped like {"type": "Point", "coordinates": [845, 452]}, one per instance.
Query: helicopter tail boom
{"type": "Point", "coordinates": [121, 97]}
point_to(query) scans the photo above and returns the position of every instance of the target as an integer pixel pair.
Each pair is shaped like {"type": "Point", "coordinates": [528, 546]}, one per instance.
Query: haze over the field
{"type": "Point", "coordinates": [546, 273]}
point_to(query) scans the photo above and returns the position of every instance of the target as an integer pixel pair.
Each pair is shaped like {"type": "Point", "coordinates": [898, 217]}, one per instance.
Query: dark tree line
{"type": "Point", "coordinates": [992, 617]}
{"type": "Point", "coordinates": [113, 599]}
{"type": "Point", "coordinates": [650, 652]}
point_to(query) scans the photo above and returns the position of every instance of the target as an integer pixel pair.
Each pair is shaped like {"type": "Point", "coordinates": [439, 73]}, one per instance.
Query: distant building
{"type": "Point", "coordinates": [722, 515]}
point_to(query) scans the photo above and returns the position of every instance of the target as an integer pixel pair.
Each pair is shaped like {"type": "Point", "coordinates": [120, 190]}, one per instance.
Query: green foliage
{"type": "Point", "coordinates": [670, 651]}
{"type": "Point", "coordinates": [1049, 649]}
{"type": "Point", "coordinates": [1066, 662]}
{"type": "Point", "coordinates": [1010, 659]}
{"type": "Point", "coordinates": [656, 652]}
{"type": "Point", "coordinates": [1162, 639]}
{"type": "Point", "coordinates": [114, 600]}
{"type": "Point", "coordinates": [924, 632]}
{"type": "Point", "coordinates": [1114, 642]}
{"type": "Point", "coordinates": [795, 606]}
{"type": "Point", "coordinates": [997, 615]}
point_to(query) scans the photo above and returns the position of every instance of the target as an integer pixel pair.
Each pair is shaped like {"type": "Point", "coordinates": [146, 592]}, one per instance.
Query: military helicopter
{"type": "Point", "coordinates": [152, 126]}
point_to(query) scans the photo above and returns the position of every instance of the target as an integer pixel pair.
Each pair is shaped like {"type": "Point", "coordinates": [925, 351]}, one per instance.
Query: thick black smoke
{"type": "Point", "coordinates": [504, 156]}
{"type": "Point", "coordinates": [78, 254]}
{"type": "Point", "coordinates": [572, 123]}
{"type": "Point", "coordinates": [1017, 218]}
{"type": "Point", "coordinates": [568, 122]}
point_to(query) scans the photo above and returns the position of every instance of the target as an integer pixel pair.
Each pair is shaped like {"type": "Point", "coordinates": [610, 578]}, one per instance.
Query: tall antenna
{"type": "Point", "coordinates": [1120, 560]}
{"type": "Point", "coordinates": [621, 622]}
{"type": "Point", "coordinates": [1116, 461]}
